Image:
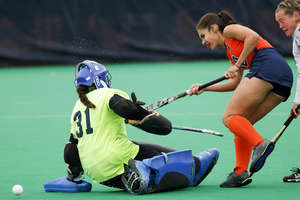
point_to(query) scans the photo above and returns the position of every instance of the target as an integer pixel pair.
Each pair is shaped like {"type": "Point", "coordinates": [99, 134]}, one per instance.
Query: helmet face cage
{"type": "Point", "coordinates": [101, 76]}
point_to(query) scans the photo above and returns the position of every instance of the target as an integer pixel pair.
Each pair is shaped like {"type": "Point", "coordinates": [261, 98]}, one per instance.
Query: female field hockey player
{"type": "Point", "coordinates": [266, 85]}
{"type": "Point", "coordinates": [99, 145]}
{"type": "Point", "coordinates": [287, 15]}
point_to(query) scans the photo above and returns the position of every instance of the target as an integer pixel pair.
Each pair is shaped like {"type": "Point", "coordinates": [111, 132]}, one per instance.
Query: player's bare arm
{"type": "Point", "coordinates": [242, 33]}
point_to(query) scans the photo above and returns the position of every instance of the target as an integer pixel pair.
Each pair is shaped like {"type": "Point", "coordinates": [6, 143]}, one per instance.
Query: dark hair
{"type": "Point", "coordinates": [222, 19]}
{"type": "Point", "coordinates": [289, 7]}
{"type": "Point", "coordinates": [82, 90]}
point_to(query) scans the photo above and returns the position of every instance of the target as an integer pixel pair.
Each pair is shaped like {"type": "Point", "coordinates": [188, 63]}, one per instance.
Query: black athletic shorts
{"type": "Point", "coordinates": [269, 64]}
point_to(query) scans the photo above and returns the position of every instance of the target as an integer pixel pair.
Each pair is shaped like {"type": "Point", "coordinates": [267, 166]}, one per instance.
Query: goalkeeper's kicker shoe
{"type": "Point", "coordinates": [295, 177]}
{"type": "Point", "coordinates": [260, 155]}
{"type": "Point", "coordinates": [236, 180]}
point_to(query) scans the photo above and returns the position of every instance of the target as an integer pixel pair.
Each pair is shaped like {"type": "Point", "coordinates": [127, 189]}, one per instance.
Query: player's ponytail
{"type": "Point", "coordinates": [225, 19]}
{"type": "Point", "coordinates": [82, 90]}
{"type": "Point", "coordinates": [222, 19]}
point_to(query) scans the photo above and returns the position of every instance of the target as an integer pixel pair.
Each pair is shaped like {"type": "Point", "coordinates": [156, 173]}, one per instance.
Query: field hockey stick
{"type": "Point", "coordinates": [135, 122]}
{"type": "Point", "coordinates": [285, 125]}
{"type": "Point", "coordinates": [197, 130]}
{"type": "Point", "coordinates": [170, 99]}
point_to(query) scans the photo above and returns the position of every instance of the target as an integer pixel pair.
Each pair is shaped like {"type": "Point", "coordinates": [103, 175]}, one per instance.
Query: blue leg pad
{"type": "Point", "coordinates": [178, 161]}
{"type": "Point", "coordinates": [208, 160]}
{"type": "Point", "coordinates": [64, 185]}
{"type": "Point", "coordinates": [172, 171]}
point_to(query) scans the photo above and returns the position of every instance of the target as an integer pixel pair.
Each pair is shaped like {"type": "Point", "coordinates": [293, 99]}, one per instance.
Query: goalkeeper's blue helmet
{"type": "Point", "coordinates": [89, 72]}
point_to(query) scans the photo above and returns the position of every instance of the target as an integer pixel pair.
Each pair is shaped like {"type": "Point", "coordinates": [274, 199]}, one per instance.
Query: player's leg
{"type": "Point", "coordinates": [169, 171]}
{"type": "Point", "coordinates": [249, 95]}
{"type": "Point", "coordinates": [269, 103]}
{"type": "Point", "coordinates": [262, 151]}
{"type": "Point", "coordinates": [115, 182]}
{"type": "Point", "coordinates": [240, 176]}
{"type": "Point", "coordinates": [203, 167]}
{"type": "Point", "coordinates": [157, 147]}
{"type": "Point", "coordinates": [243, 154]}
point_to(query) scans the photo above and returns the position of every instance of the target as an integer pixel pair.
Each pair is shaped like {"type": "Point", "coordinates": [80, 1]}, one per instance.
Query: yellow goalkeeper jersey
{"type": "Point", "coordinates": [103, 144]}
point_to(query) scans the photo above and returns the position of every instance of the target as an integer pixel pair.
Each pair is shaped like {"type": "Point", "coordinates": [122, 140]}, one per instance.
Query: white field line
{"type": "Point", "coordinates": [165, 114]}
{"type": "Point", "coordinates": [33, 116]}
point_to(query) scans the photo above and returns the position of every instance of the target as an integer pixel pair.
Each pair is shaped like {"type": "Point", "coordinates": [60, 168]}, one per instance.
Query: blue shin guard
{"type": "Point", "coordinates": [169, 171]}
{"type": "Point", "coordinates": [208, 159]}
{"type": "Point", "coordinates": [64, 185]}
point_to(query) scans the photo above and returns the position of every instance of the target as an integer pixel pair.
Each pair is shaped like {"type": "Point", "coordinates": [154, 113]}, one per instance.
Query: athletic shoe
{"type": "Point", "coordinates": [235, 180]}
{"type": "Point", "coordinates": [260, 155]}
{"type": "Point", "coordinates": [136, 177]}
{"type": "Point", "coordinates": [293, 177]}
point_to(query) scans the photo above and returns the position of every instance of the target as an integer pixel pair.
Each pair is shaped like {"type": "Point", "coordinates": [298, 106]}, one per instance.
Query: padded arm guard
{"type": "Point", "coordinates": [126, 108]}
{"type": "Point", "coordinates": [139, 117]}
{"type": "Point", "coordinates": [71, 157]}
{"type": "Point", "coordinates": [153, 123]}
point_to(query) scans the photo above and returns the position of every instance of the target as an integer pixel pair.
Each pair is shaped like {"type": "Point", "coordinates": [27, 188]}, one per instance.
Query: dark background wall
{"type": "Point", "coordinates": [38, 32]}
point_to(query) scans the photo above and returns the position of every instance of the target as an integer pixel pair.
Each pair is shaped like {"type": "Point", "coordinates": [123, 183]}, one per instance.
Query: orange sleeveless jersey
{"type": "Point", "coordinates": [235, 47]}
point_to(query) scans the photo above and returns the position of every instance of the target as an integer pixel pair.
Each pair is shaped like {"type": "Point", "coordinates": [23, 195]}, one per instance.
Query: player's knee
{"type": "Point", "coordinates": [225, 119]}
